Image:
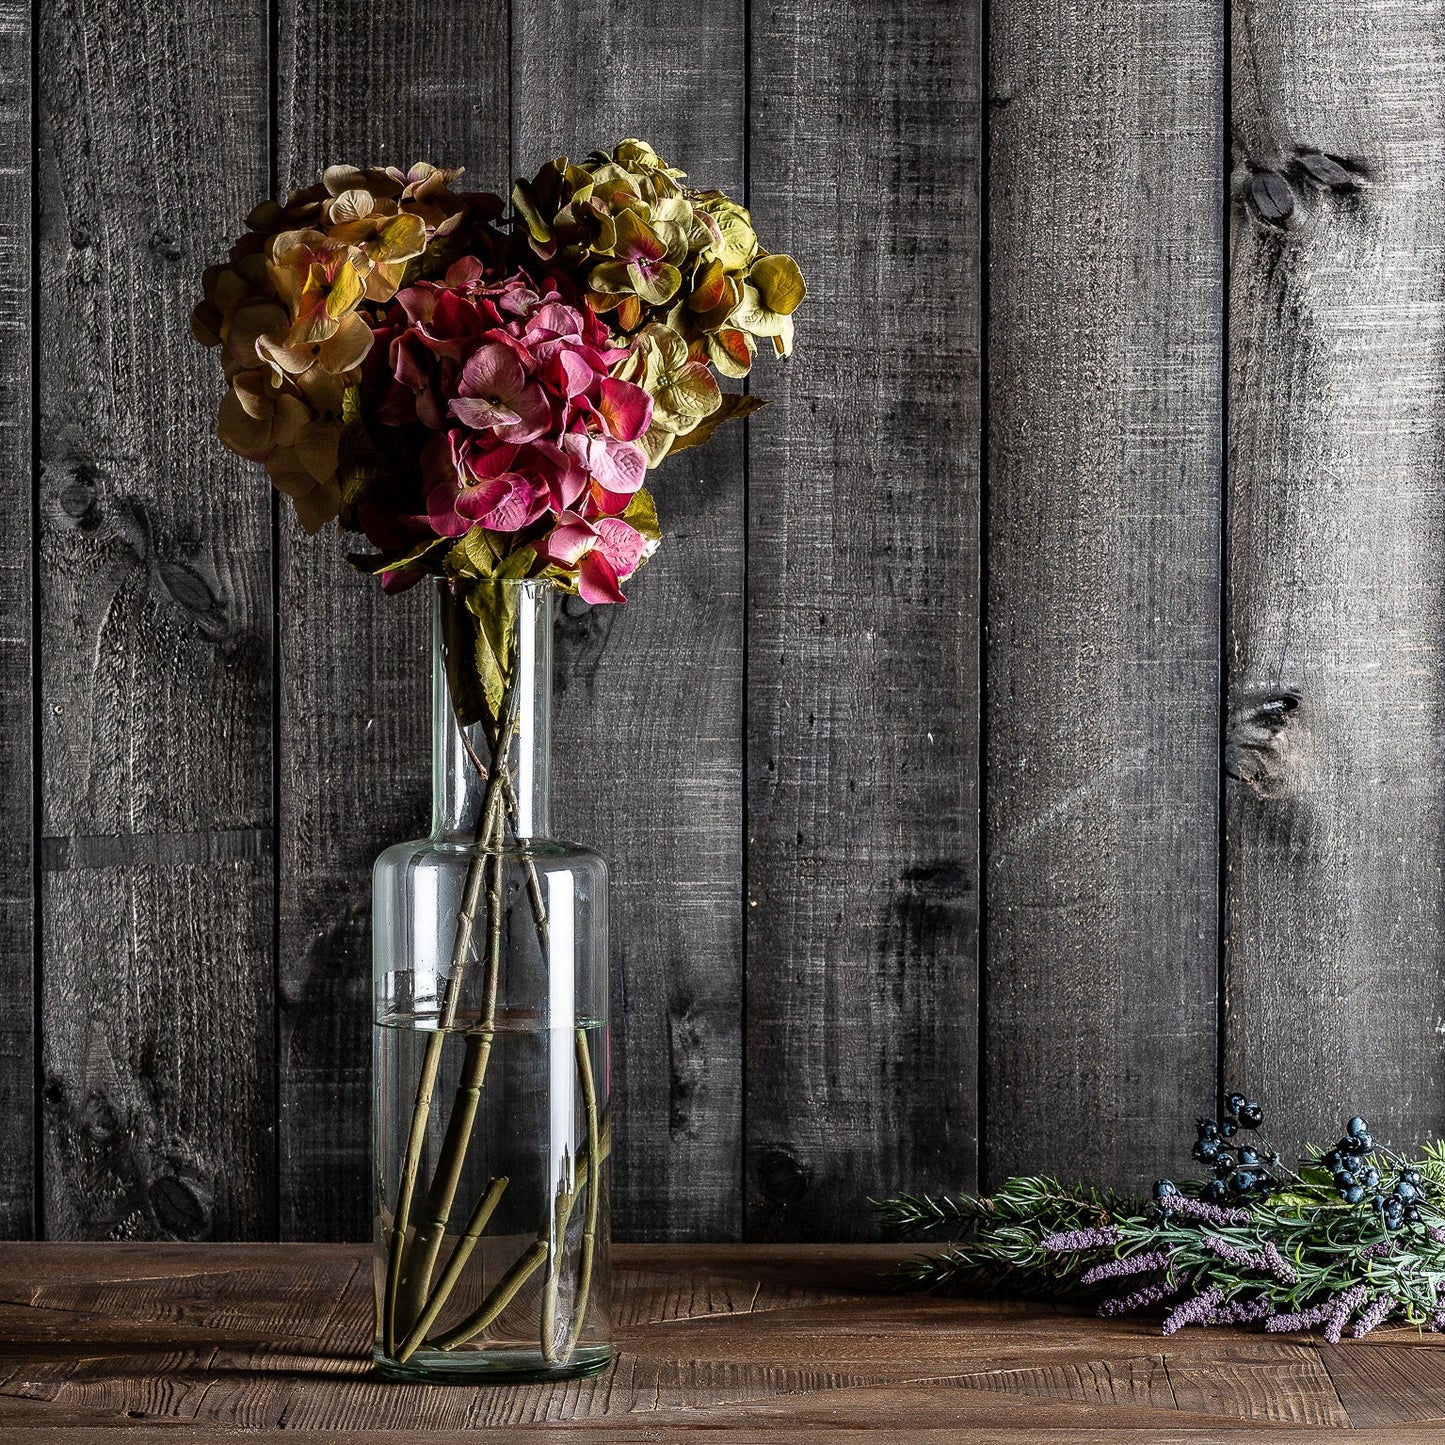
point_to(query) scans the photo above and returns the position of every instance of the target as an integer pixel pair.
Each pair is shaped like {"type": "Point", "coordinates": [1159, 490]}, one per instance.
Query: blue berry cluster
{"type": "Point", "coordinates": [1356, 1176]}
{"type": "Point", "coordinates": [1241, 1173]}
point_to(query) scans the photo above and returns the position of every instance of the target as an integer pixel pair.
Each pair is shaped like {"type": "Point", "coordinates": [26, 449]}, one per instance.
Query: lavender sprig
{"type": "Point", "coordinates": [1132, 1264]}
{"type": "Point", "coordinates": [1357, 1234]}
{"type": "Point", "coordinates": [1194, 1310]}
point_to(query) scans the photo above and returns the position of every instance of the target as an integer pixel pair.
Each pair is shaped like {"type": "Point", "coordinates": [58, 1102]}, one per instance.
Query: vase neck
{"type": "Point", "coordinates": [523, 722]}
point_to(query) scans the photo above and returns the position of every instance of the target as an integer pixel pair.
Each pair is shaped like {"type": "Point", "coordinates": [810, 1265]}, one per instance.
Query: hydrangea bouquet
{"type": "Point", "coordinates": [483, 397]}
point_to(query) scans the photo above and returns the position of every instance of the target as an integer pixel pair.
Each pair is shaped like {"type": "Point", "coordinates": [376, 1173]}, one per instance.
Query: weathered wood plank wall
{"type": "Point", "coordinates": [156, 666]}
{"type": "Point", "coordinates": [862, 863]}
{"type": "Point", "coordinates": [17, 684]}
{"type": "Point", "coordinates": [905, 595]}
{"type": "Point", "coordinates": [1104, 440]}
{"type": "Point", "coordinates": [1335, 989]}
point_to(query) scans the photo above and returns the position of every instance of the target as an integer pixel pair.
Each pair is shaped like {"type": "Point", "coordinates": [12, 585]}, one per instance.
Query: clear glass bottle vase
{"type": "Point", "coordinates": [491, 1126]}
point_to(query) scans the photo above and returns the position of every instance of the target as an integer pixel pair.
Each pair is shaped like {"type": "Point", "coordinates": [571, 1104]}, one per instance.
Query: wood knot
{"type": "Point", "coordinates": [780, 1178]}
{"type": "Point", "coordinates": [1261, 741]}
{"type": "Point", "coordinates": [178, 1207]}
{"type": "Point", "coordinates": [1329, 173]}
{"type": "Point", "coordinates": [1270, 197]}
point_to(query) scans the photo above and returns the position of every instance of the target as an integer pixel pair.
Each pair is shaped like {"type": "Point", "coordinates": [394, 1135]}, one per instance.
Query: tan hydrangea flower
{"type": "Point", "coordinates": [650, 250]}
{"type": "Point", "coordinates": [289, 310]}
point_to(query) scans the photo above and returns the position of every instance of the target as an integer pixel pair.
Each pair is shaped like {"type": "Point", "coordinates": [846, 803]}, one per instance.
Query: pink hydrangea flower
{"type": "Point", "coordinates": [605, 551]}
{"type": "Point", "coordinates": [529, 423]}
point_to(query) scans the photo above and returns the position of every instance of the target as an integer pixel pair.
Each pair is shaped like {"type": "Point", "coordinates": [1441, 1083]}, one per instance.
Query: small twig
{"type": "Point", "coordinates": [489, 822]}
{"type": "Point", "coordinates": [486, 1207]}
{"type": "Point", "coordinates": [496, 1301]}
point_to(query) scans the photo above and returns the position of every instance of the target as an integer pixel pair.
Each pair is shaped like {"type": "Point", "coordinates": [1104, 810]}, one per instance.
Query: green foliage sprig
{"type": "Point", "coordinates": [1353, 1239]}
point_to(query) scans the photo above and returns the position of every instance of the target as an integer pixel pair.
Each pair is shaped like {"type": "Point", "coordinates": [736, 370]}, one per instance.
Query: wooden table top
{"type": "Point", "coordinates": [266, 1342]}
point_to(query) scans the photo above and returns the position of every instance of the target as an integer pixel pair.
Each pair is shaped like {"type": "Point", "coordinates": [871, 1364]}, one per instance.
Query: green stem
{"type": "Point", "coordinates": [496, 1301]}
{"type": "Point", "coordinates": [491, 830]}
{"type": "Point", "coordinates": [420, 1258]}
{"type": "Point", "coordinates": [564, 1204]}
{"type": "Point", "coordinates": [486, 1206]}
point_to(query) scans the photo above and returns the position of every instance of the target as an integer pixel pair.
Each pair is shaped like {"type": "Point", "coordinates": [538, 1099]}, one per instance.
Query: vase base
{"type": "Point", "coordinates": [491, 1367]}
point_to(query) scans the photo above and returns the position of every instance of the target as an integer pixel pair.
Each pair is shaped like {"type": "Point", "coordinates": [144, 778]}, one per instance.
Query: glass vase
{"type": "Point", "coordinates": [490, 1117]}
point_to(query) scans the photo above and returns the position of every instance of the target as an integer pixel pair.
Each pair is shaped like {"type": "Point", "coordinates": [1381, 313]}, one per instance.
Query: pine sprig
{"type": "Point", "coordinates": [1354, 1239]}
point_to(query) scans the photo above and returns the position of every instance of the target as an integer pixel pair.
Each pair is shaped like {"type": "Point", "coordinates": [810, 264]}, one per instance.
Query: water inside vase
{"type": "Point", "coordinates": [506, 1164]}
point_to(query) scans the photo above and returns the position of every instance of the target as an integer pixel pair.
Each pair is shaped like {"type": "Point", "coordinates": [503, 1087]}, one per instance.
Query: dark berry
{"type": "Point", "coordinates": [1343, 1179]}
{"type": "Point", "coordinates": [1413, 1215]}
{"type": "Point", "coordinates": [1353, 1194]}
{"type": "Point", "coordinates": [1233, 1104]}
{"type": "Point", "coordinates": [1356, 1127]}
{"type": "Point", "coordinates": [1378, 1202]}
{"type": "Point", "coordinates": [1244, 1181]}
{"type": "Point", "coordinates": [1370, 1178]}
{"type": "Point", "coordinates": [1228, 1127]}
{"type": "Point", "coordinates": [1251, 1116]}
{"type": "Point", "coordinates": [1208, 1129]}
{"type": "Point", "coordinates": [1224, 1163]}
{"type": "Point", "coordinates": [1165, 1187]}
{"type": "Point", "coordinates": [1411, 1176]}
{"type": "Point", "coordinates": [1362, 1144]}
{"type": "Point", "coordinates": [1213, 1192]}
{"type": "Point", "coordinates": [1405, 1193]}
{"type": "Point", "coordinates": [1205, 1150]}
{"type": "Point", "coordinates": [1248, 1157]}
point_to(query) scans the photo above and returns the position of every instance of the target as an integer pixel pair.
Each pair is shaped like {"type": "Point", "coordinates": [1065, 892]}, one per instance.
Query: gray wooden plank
{"type": "Point", "coordinates": [863, 574]}
{"type": "Point", "coordinates": [1105, 322]}
{"type": "Point", "coordinates": [648, 742]}
{"type": "Point", "coordinates": [1336, 810]}
{"type": "Point", "coordinates": [17, 761]}
{"type": "Point", "coordinates": [155, 647]}
{"type": "Point", "coordinates": [368, 82]}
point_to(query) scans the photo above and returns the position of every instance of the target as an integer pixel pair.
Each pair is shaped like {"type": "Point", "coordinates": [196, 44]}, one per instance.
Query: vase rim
{"type": "Point", "coordinates": [505, 584]}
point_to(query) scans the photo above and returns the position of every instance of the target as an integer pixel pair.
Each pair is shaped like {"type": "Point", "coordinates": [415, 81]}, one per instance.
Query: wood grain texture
{"type": "Point", "coordinates": [744, 1342]}
{"type": "Point", "coordinates": [366, 82]}
{"type": "Point", "coordinates": [862, 864]}
{"type": "Point", "coordinates": [1105, 265]}
{"type": "Point", "coordinates": [649, 722]}
{"type": "Point", "coordinates": [17, 753]}
{"type": "Point", "coordinates": [155, 635]}
{"type": "Point", "coordinates": [1336, 814]}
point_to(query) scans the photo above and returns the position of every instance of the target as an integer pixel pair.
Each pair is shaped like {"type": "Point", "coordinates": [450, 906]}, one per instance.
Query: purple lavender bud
{"type": "Point", "coordinates": [1304, 1320]}
{"type": "Point", "coordinates": [1277, 1264]}
{"type": "Point", "coordinates": [1192, 1310]}
{"type": "Point", "coordinates": [1140, 1299]}
{"type": "Point", "coordinates": [1379, 1310]}
{"type": "Point", "coordinates": [1239, 1312]}
{"type": "Point", "coordinates": [1437, 1234]}
{"type": "Point", "coordinates": [1230, 1253]}
{"type": "Point", "coordinates": [1186, 1208]}
{"type": "Point", "coordinates": [1072, 1240]}
{"type": "Point", "coordinates": [1437, 1321]}
{"type": "Point", "coordinates": [1134, 1264]}
{"type": "Point", "coordinates": [1346, 1303]}
{"type": "Point", "coordinates": [1378, 1250]}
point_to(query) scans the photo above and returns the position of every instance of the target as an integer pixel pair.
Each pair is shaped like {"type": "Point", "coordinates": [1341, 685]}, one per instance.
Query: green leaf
{"type": "Point", "coordinates": [733, 405]}
{"type": "Point", "coordinates": [374, 563]}
{"type": "Point", "coordinates": [641, 515]}
{"type": "Point", "coordinates": [459, 650]}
